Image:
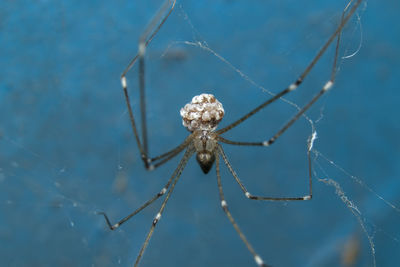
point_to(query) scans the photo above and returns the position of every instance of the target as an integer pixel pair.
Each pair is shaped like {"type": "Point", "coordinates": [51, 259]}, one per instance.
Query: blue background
{"type": "Point", "coordinates": [66, 147]}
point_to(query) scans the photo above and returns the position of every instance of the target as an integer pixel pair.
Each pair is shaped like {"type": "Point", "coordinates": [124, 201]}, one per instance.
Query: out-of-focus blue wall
{"type": "Point", "coordinates": [67, 149]}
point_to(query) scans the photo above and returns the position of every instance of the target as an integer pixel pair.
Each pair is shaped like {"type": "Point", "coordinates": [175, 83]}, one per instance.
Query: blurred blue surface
{"type": "Point", "coordinates": [67, 150]}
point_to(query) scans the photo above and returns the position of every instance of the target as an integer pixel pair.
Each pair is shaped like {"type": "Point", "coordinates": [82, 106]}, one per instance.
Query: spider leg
{"type": "Point", "coordinates": [250, 196]}
{"type": "Point", "coordinates": [328, 85]}
{"type": "Point", "coordinates": [151, 30]}
{"type": "Point", "coordinates": [224, 206]}
{"type": "Point", "coordinates": [188, 154]}
{"type": "Point", "coordinates": [325, 88]}
{"type": "Point", "coordinates": [239, 143]}
{"type": "Point", "coordinates": [299, 80]}
{"type": "Point", "coordinates": [163, 158]}
{"type": "Point", "coordinates": [175, 174]}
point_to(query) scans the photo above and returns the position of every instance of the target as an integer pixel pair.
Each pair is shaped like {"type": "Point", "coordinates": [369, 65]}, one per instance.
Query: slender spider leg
{"type": "Point", "coordinates": [224, 206]}
{"type": "Point", "coordinates": [333, 74]}
{"type": "Point", "coordinates": [176, 173]}
{"type": "Point", "coordinates": [189, 152]}
{"type": "Point", "coordinates": [325, 88]}
{"type": "Point", "coordinates": [151, 30]}
{"type": "Point", "coordinates": [270, 141]}
{"type": "Point", "coordinates": [239, 143]}
{"type": "Point", "coordinates": [250, 196]}
{"type": "Point", "coordinates": [299, 80]}
{"type": "Point", "coordinates": [163, 158]}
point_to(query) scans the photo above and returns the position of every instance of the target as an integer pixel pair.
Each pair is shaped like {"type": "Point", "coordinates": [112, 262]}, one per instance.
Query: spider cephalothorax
{"type": "Point", "coordinates": [205, 144]}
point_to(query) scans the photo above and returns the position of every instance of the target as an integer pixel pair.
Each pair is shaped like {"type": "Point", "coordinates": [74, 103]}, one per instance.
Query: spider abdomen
{"type": "Point", "coordinates": [204, 112]}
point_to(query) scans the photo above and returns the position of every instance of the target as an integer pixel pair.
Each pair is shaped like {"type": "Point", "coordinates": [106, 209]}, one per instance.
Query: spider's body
{"type": "Point", "coordinates": [201, 117]}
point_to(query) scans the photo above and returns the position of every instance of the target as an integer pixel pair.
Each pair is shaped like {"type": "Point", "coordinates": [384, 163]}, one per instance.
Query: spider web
{"type": "Point", "coordinates": [67, 149]}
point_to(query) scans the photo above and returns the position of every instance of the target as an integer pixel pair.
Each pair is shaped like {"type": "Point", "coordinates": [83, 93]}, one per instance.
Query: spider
{"type": "Point", "coordinates": [201, 117]}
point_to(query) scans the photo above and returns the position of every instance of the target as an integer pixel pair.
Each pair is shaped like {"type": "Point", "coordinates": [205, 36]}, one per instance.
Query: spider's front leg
{"type": "Point", "coordinates": [149, 33]}
{"type": "Point", "coordinates": [350, 10]}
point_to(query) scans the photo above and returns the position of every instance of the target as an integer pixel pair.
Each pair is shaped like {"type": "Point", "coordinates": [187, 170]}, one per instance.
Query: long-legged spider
{"type": "Point", "coordinates": [201, 118]}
